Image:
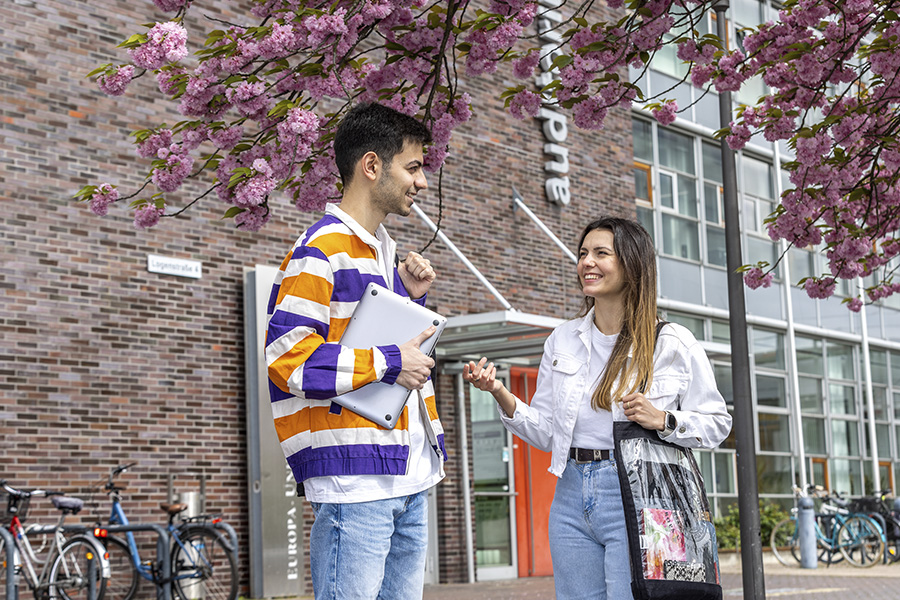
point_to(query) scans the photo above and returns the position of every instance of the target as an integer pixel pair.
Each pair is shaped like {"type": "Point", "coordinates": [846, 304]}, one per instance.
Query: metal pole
{"type": "Point", "coordinates": [870, 398]}
{"type": "Point", "coordinates": [467, 496]}
{"type": "Point", "coordinates": [9, 559]}
{"type": "Point", "coordinates": [463, 258]}
{"type": "Point", "coordinates": [748, 497]}
{"type": "Point", "coordinates": [519, 203]}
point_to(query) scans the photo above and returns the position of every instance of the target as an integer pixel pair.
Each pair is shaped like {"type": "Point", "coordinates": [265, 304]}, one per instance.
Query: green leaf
{"type": "Point", "coordinates": [134, 41]}
{"type": "Point", "coordinates": [561, 61]}
{"type": "Point", "coordinates": [101, 69]}
{"type": "Point", "coordinates": [232, 212]}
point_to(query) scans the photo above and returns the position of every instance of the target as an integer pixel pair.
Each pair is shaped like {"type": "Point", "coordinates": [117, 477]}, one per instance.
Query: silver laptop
{"type": "Point", "coordinates": [381, 318]}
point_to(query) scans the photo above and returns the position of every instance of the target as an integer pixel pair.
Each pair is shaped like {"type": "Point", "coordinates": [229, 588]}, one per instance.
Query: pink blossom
{"type": "Point", "coordinates": [168, 79]}
{"type": "Point", "coordinates": [854, 304]}
{"type": "Point", "coordinates": [524, 67]}
{"type": "Point", "coordinates": [666, 113]}
{"type": "Point", "coordinates": [227, 138]}
{"type": "Point", "coordinates": [250, 98]}
{"type": "Point", "coordinates": [253, 218]}
{"type": "Point", "coordinates": [524, 104]}
{"type": "Point", "coordinates": [170, 5]}
{"type": "Point", "coordinates": [589, 113]}
{"type": "Point", "coordinates": [115, 83]}
{"type": "Point", "coordinates": [176, 166]}
{"type": "Point", "coordinates": [103, 196]}
{"type": "Point", "coordinates": [147, 216]}
{"type": "Point", "coordinates": [820, 288]}
{"type": "Point", "coordinates": [166, 42]}
{"type": "Point", "coordinates": [150, 147]}
{"type": "Point", "coordinates": [755, 278]}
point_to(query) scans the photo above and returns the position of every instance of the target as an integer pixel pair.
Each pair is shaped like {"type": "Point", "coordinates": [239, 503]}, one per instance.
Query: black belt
{"type": "Point", "coordinates": [583, 455]}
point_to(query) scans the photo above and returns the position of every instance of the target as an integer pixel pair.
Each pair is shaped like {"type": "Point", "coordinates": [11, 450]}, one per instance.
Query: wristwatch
{"type": "Point", "coordinates": [671, 424]}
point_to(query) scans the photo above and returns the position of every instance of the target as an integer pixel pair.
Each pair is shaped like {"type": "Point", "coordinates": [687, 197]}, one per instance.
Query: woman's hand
{"type": "Point", "coordinates": [485, 379]}
{"type": "Point", "coordinates": [481, 376]}
{"type": "Point", "coordinates": [640, 410]}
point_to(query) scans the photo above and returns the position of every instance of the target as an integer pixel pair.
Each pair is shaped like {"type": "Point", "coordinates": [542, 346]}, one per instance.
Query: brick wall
{"type": "Point", "coordinates": [103, 363]}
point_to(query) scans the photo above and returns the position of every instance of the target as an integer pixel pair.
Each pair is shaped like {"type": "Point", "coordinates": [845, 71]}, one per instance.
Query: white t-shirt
{"type": "Point", "coordinates": [594, 428]}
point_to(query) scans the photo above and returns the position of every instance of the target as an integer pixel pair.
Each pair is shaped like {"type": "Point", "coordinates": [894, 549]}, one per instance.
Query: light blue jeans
{"type": "Point", "coordinates": [370, 550]}
{"type": "Point", "coordinates": [588, 542]}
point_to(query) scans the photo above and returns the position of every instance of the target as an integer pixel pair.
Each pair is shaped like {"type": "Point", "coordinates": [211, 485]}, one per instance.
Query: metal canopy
{"type": "Point", "coordinates": [507, 335]}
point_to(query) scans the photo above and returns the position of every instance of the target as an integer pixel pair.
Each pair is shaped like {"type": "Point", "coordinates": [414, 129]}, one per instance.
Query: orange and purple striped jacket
{"type": "Point", "coordinates": [317, 288]}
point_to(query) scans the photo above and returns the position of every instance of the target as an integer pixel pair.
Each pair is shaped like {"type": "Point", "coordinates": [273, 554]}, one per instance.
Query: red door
{"type": "Point", "coordinates": [534, 490]}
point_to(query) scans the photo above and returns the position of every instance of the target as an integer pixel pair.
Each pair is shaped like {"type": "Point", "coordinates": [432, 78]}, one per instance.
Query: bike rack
{"type": "Point", "coordinates": [92, 592]}
{"type": "Point", "coordinates": [232, 537]}
{"type": "Point", "coordinates": [12, 590]}
{"type": "Point", "coordinates": [164, 586]}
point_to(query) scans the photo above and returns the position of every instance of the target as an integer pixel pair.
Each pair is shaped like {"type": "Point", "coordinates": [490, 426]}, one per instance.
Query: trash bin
{"type": "Point", "coordinates": [193, 501]}
{"type": "Point", "coordinates": [193, 591]}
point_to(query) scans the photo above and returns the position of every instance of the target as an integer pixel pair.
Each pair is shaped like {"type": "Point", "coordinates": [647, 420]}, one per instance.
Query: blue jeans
{"type": "Point", "coordinates": [588, 542]}
{"type": "Point", "coordinates": [370, 550]}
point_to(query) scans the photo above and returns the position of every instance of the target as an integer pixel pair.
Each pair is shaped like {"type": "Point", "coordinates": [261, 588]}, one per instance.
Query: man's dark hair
{"type": "Point", "coordinates": [374, 128]}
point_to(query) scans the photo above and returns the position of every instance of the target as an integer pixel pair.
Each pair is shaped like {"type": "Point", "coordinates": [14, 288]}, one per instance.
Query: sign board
{"type": "Point", "coordinates": [174, 266]}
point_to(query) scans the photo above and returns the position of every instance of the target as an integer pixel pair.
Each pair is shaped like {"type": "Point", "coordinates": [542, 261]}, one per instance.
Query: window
{"type": "Point", "coordinates": [840, 361]}
{"type": "Point", "coordinates": [812, 400]}
{"type": "Point", "coordinates": [814, 435]}
{"type": "Point", "coordinates": [694, 324]}
{"type": "Point", "coordinates": [713, 208]}
{"type": "Point", "coordinates": [643, 188]}
{"type": "Point", "coordinates": [845, 437]}
{"type": "Point", "coordinates": [809, 355]}
{"type": "Point", "coordinates": [642, 136]}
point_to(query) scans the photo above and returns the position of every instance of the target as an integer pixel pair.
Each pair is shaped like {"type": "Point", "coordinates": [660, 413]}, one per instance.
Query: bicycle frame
{"type": "Point", "coordinates": [117, 517]}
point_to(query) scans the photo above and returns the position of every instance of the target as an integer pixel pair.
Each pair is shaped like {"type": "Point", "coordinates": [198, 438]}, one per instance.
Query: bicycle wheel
{"type": "Point", "coordinates": [77, 571]}
{"type": "Point", "coordinates": [203, 567]}
{"type": "Point", "coordinates": [860, 542]}
{"type": "Point", "coordinates": [785, 543]}
{"type": "Point", "coordinates": [124, 579]}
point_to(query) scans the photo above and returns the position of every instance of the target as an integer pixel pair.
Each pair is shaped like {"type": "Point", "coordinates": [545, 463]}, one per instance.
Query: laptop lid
{"type": "Point", "coordinates": [381, 318]}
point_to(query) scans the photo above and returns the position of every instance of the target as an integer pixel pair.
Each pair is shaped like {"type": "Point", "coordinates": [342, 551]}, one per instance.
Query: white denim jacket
{"type": "Point", "coordinates": [683, 384]}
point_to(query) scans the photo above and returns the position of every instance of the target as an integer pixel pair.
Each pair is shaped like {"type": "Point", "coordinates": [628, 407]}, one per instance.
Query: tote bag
{"type": "Point", "coordinates": [671, 537]}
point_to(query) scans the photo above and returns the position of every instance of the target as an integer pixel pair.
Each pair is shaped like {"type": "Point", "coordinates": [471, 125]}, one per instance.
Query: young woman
{"type": "Point", "coordinates": [593, 371]}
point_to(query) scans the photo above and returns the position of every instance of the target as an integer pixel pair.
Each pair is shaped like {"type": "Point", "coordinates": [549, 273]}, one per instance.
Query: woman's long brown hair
{"type": "Point", "coordinates": [635, 251]}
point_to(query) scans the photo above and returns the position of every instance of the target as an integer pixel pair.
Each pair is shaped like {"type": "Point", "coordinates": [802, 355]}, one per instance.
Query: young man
{"type": "Point", "coordinates": [368, 485]}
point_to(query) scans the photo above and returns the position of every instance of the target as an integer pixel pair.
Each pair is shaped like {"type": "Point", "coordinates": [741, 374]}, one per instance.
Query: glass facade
{"type": "Point", "coordinates": [822, 387]}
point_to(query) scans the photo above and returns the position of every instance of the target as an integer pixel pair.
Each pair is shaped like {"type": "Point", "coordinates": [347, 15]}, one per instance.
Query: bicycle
{"type": "Point", "coordinates": [74, 568]}
{"type": "Point", "coordinates": [877, 507]}
{"type": "Point", "coordinates": [855, 537]}
{"type": "Point", "coordinates": [203, 563]}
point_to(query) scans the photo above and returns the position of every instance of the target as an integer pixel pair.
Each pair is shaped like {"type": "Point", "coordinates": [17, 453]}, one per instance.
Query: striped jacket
{"type": "Point", "coordinates": [316, 290]}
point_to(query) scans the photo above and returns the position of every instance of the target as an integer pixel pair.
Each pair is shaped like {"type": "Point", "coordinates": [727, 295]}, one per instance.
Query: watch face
{"type": "Point", "coordinates": [671, 423]}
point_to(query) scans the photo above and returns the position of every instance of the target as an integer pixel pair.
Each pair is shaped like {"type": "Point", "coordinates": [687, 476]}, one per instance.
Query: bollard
{"type": "Point", "coordinates": [806, 534]}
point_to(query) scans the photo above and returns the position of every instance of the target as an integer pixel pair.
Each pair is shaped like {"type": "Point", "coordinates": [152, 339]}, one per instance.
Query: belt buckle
{"type": "Point", "coordinates": [579, 452]}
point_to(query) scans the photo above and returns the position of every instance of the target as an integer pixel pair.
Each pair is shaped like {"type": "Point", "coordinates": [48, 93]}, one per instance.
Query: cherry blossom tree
{"type": "Point", "coordinates": [261, 99]}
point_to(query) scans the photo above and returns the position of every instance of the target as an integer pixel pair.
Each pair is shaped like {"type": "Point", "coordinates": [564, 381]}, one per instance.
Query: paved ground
{"type": "Point", "coordinates": [824, 583]}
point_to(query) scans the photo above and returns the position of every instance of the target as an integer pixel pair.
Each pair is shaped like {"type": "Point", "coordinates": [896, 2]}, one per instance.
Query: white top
{"type": "Point", "coordinates": [683, 384]}
{"type": "Point", "coordinates": [594, 428]}
{"type": "Point", "coordinates": [424, 468]}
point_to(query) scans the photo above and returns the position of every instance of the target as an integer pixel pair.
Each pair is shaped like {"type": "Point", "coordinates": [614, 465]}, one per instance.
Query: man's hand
{"type": "Point", "coordinates": [416, 274]}
{"type": "Point", "coordinates": [416, 366]}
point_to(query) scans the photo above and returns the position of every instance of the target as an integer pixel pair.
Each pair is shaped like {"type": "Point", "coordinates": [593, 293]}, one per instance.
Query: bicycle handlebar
{"type": "Point", "coordinates": [115, 472]}
{"type": "Point", "coordinates": [26, 494]}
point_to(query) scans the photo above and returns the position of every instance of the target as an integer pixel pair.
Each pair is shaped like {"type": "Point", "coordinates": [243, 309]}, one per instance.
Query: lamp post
{"type": "Point", "coordinates": [748, 492]}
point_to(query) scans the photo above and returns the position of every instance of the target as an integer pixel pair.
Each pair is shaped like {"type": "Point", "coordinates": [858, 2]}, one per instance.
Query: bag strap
{"type": "Point", "coordinates": [659, 325]}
